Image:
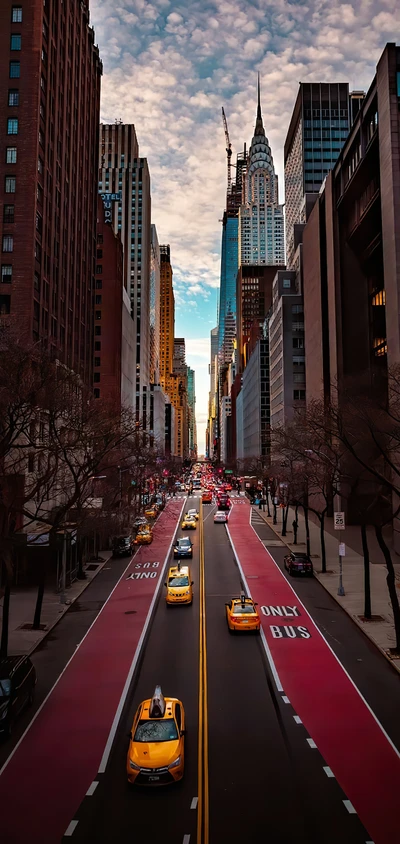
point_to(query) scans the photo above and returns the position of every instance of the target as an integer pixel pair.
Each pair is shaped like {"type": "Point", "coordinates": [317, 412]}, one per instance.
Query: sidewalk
{"type": "Point", "coordinates": [381, 628]}
{"type": "Point", "coordinates": [24, 640]}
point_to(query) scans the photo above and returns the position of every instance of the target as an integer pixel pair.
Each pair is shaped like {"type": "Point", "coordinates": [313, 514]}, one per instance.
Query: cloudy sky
{"type": "Point", "coordinates": [170, 66]}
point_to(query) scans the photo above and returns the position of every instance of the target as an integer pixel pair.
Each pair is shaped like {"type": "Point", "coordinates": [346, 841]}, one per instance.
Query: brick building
{"type": "Point", "coordinates": [50, 74]}
{"type": "Point", "coordinates": [108, 314]}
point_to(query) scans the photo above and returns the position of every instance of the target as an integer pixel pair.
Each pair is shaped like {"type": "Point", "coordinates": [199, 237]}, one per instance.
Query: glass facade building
{"type": "Point", "coordinates": [227, 299]}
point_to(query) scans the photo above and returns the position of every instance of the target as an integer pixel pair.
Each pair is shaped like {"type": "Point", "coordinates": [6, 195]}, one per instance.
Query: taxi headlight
{"type": "Point", "coordinates": [132, 765]}
{"type": "Point", "coordinates": [188, 592]}
{"type": "Point", "coordinates": [175, 763]}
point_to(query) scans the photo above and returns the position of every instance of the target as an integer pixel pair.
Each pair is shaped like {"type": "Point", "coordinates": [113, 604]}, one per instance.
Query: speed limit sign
{"type": "Point", "coordinates": [338, 521]}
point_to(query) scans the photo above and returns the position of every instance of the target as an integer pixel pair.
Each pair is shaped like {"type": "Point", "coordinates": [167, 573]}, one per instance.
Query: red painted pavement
{"type": "Point", "coordinates": [346, 733]}
{"type": "Point", "coordinates": [45, 781]}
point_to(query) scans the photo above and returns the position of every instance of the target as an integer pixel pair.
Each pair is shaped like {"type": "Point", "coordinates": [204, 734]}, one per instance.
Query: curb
{"type": "Point", "coordinates": [350, 615]}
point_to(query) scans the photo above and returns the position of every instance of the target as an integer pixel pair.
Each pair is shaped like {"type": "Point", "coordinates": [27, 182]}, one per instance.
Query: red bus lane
{"type": "Point", "coordinates": [338, 719]}
{"type": "Point", "coordinates": [47, 776]}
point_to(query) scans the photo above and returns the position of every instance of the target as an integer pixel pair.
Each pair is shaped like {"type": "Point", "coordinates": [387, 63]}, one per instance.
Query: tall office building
{"type": "Point", "coordinates": [50, 74]}
{"type": "Point", "coordinates": [318, 129]}
{"type": "Point", "coordinates": [124, 176]}
{"type": "Point", "coordinates": [167, 317]}
{"type": "Point", "coordinates": [191, 398]}
{"type": "Point", "coordinates": [211, 430]}
{"type": "Point", "coordinates": [154, 308]}
{"type": "Point", "coordinates": [173, 369]}
{"type": "Point", "coordinates": [230, 264]}
{"type": "Point", "coordinates": [261, 223]}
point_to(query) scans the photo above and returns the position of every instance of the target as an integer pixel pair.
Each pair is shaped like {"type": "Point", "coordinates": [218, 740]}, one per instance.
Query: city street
{"type": "Point", "coordinates": [270, 755]}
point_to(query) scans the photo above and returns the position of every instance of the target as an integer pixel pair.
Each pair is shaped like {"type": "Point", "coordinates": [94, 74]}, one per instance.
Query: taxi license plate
{"type": "Point", "coordinates": [245, 621]}
{"type": "Point", "coordinates": [154, 779]}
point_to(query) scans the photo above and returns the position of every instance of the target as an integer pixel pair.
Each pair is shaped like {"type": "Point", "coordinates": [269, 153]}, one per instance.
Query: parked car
{"type": "Point", "coordinates": [151, 511]}
{"type": "Point", "coordinates": [297, 563]}
{"type": "Point", "coordinates": [17, 689]}
{"type": "Point", "coordinates": [122, 546]}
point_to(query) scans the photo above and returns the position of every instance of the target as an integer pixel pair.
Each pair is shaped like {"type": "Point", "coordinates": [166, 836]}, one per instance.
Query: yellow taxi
{"type": "Point", "coordinates": [151, 511]}
{"type": "Point", "coordinates": [144, 536]}
{"type": "Point", "coordinates": [179, 585]}
{"type": "Point", "coordinates": [188, 522]}
{"type": "Point", "coordinates": [242, 614]}
{"type": "Point", "coordinates": [156, 752]}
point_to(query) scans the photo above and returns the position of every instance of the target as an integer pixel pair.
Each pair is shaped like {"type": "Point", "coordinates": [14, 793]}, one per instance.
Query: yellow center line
{"type": "Point", "coordinates": [202, 806]}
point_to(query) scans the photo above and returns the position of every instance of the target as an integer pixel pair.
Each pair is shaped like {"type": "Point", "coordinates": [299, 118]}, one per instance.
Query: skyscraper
{"type": "Point", "coordinates": [261, 224]}
{"type": "Point", "coordinates": [191, 394]}
{"type": "Point", "coordinates": [154, 308]}
{"type": "Point", "coordinates": [50, 74]}
{"type": "Point", "coordinates": [318, 129]}
{"type": "Point", "coordinates": [125, 175]}
{"type": "Point", "coordinates": [229, 265]}
{"type": "Point", "coordinates": [167, 318]}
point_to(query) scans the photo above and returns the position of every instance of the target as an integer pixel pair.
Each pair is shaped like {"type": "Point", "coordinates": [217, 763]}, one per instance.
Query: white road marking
{"type": "Point", "coordinates": [209, 514]}
{"type": "Point", "coordinates": [92, 788]}
{"type": "Point", "coordinates": [186, 839]}
{"type": "Point", "coordinates": [117, 716]}
{"type": "Point", "coordinates": [285, 699]}
{"type": "Point", "coordinates": [193, 804]}
{"type": "Point", "coordinates": [311, 742]}
{"type": "Point", "coordinates": [393, 746]}
{"type": "Point", "coordinates": [262, 634]}
{"type": "Point", "coordinates": [328, 771]}
{"type": "Point", "coordinates": [297, 719]}
{"type": "Point", "coordinates": [350, 808]}
{"type": "Point", "coordinates": [70, 829]}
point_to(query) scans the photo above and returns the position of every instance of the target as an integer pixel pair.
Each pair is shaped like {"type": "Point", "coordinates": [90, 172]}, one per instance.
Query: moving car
{"type": "Point", "coordinates": [17, 689]}
{"type": "Point", "coordinates": [223, 501]}
{"type": "Point", "coordinates": [151, 511]}
{"type": "Point", "coordinates": [206, 497]}
{"type": "Point", "coordinates": [242, 614]}
{"type": "Point", "coordinates": [144, 535]}
{"type": "Point", "coordinates": [220, 517]}
{"type": "Point", "coordinates": [183, 547]}
{"type": "Point", "coordinates": [193, 513]}
{"type": "Point", "coordinates": [179, 585]}
{"type": "Point", "coordinates": [156, 753]}
{"type": "Point", "coordinates": [189, 522]}
{"type": "Point", "coordinates": [297, 563]}
{"type": "Point", "coordinates": [122, 546]}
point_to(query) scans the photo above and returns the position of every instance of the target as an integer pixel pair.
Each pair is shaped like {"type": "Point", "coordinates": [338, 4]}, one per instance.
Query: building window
{"type": "Point", "coordinates": [99, 284]}
{"type": "Point", "coordinates": [8, 214]}
{"type": "Point", "coordinates": [99, 269]}
{"type": "Point", "coordinates": [11, 155]}
{"type": "Point", "coordinates": [10, 184]}
{"type": "Point", "coordinates": [97, 330]}
{"type": "Point", "coordinates": [97, 361]}
{"type": "Point", "coordinates": [99, 253]}
{"type": "Point", "coordinates": [16, 14]}
{"type": "Point", "coordinates": [97, 346]}
{"type": "Point", "coordinates": [15, 42]}
{"type": "Point", "coordinates": [15, 69]}
{"type": "Point", "coordinates": [13, 97]}
{"type": "Point", "coordinates": [286, 282]}
{"type": "Point", "coordinates": [97, 314]}
{"type": "Point", "coordinates": [40, 165]}
{"type": "Point", "coordinates": [298, 342]}
{"type": "Point", "coordinates": [299, 395]}
{"type": "Point", "coordinates": [8, 243]}
{"type": "Point", "coordinates": [6, 273]}
{"type": "Point", "coordinates": [5, 304]}
{"type": "Point", "coordinates": [96, 377]}
{"type": "Point", "coordinates": [99, 238]}
{"type": "Point", "coordinates": [98, 299]}
{"type": "Point", "coordinates": [97, 394]}
{"type": "Point", "coordinates": [12, 126]}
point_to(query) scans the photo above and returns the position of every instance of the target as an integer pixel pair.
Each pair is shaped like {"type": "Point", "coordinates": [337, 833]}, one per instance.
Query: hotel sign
{"type": "Point", "coordinates": [108, 199]}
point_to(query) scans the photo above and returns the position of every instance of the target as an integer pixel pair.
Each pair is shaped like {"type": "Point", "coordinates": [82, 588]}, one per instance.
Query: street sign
{"type": "Point", "coordinates": [339, 521]}
{"type": "Point", "coordinates": [342, 549]}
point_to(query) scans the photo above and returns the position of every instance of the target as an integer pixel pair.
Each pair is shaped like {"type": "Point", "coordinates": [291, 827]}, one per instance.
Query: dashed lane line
{"type": "Point", "coordinates": [285, 699]}
{"type": "Point", "coordinates": [297, 719]}
{"type": "Point", "coordinates": [92, 788]}
{"type": "Point", "coordinates": [312, 744]}
{"type": "Point", "coordinates": [328, 771]}
{"type": "Point", "coordinates": [70, 829]}
{"type": "Point", "coordinates": [194, 802]}
{"type": "Point", "coordinates": [350, 808]}
{"type": "Point", "coordinates": [186, 839]}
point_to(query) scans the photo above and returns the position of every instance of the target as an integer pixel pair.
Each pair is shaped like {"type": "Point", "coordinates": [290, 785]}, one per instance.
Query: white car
{"type": "Point", "coordinates": [220, 516]}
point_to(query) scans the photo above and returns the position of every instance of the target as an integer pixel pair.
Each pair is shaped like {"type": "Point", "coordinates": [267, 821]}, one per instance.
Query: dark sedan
{"type": "Point", "coordinates": [297, 563]}
{"type": "Point", "coordinates": [183, 547]}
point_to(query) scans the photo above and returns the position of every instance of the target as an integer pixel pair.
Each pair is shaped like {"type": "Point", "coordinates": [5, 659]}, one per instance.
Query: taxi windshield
{"type": "Point", "coordinates": [156, 730]}
{"type": "Point", "coordinates": [246, 608]}
{"type": "Point", "coordinates": [5, 687]}
{"type": "Point", "coordinates": [182, 580]}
